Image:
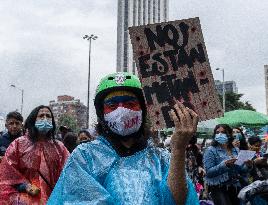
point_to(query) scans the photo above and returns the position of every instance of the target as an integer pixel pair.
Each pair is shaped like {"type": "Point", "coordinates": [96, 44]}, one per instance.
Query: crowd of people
{"type": "Point", "coordinates": [216, 175]}
{"type": "Point", "coordinates": [121, 163]}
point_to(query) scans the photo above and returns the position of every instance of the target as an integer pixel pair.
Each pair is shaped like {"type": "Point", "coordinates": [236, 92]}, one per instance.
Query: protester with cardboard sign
{"type": "Point", "coordinates": [120, 166]}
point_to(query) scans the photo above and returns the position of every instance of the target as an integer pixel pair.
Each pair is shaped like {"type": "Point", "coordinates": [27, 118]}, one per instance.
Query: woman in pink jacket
{"type": "Point", "coordinates": [32, 163]}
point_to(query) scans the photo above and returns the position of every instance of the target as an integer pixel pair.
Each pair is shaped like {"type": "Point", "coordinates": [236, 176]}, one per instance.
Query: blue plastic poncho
{"type": "Point", "coordinates": [96, 174]}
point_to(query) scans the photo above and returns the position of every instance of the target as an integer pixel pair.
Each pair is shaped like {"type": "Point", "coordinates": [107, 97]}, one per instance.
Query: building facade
{"type": "Point", "coordinates": [266, 86]}
{"type": "Point", "coordinates": [66, 104]}
{"type": "Point", "coordinates": [134, 13]}
{"type": "Point", "coordinates": [230, 86]}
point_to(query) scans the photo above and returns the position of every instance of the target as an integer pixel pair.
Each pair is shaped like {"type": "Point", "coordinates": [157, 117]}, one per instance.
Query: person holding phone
{"type": "Point", "coordinates": [222, 174]}
{"type": "Point", "coordinates": [260, 166]}
{"type": "Point", "coordinates": [239, 139]}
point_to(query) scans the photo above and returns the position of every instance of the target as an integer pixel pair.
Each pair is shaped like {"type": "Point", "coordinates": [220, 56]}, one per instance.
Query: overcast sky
{"type": "Point", "coordinates": [42, 50]}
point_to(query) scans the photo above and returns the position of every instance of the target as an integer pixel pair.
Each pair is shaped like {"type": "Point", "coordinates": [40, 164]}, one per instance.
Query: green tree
{"type": "Point", "coordinates": [233, 102]}
{"type": "Point", "coordinates": [69, 121]}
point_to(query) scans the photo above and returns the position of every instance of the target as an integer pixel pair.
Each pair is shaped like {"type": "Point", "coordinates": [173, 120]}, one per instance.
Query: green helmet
{"type": "Point", "coordinates": [117, 81]}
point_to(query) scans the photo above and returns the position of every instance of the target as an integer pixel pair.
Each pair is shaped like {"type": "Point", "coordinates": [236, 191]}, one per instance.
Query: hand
{"type": "Point", "coordinates": [185, 126]}
{"type": "Point", "coordinates": [249, 163]}
{"type": "Point", "coordinates": [230, 162]}
{"type": "Point", "coordinates": [236, 143]}
{"type": "Point", "coordinates": [32, 190]}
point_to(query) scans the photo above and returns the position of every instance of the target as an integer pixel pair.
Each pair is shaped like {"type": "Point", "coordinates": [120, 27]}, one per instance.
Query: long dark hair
{"type": "Point", "coordinates": [243, 142]}
{"type": "Point", "coordinates": [85, 132]}
{"type": "Point", "coordinates": [70, 141]}
{"type": "Point", "coordinates": [30, 124]}
{"type": "Point", "coordinates": [228, 131]}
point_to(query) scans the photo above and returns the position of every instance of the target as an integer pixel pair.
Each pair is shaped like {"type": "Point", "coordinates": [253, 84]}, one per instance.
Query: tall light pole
{"type": "Point", "coordinates": [223, 89]}
{"type": "Point", "coordinates": [89, 38]}
{"type": "Point", "coordinates": [22, 93]}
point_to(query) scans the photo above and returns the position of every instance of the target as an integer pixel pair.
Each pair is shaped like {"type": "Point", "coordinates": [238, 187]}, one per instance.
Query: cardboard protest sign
{"type": "Point", "coordinates": [172, 63]}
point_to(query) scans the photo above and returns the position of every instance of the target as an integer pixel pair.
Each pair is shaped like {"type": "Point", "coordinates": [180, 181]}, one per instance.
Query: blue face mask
{"type": "Point", "coordinates": [221, 138]}
{"type": "Point", "coordinates": [43, 125]}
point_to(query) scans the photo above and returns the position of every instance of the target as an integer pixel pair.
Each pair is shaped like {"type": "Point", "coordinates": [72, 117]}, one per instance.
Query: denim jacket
{"type": "Point", "coordinates": [217, 172]}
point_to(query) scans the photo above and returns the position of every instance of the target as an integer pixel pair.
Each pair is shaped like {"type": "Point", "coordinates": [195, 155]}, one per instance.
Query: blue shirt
{"type": "Point", "coordinates": [96, 174]}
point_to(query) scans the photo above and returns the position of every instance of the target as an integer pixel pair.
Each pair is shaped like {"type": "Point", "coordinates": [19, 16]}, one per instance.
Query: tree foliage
{"type": "Point", "coordinates": [233, 102]}
{"type": "Point", "coordinates": [69, 121]}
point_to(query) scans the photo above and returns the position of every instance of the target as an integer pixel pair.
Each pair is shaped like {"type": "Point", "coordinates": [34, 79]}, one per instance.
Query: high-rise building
{"type": "Point", "coordinates": [134, 13]}
{"type": "Point", "coordinates": [266, 86]}
{"type": "Point", "coordinates": [230, 86]}
{"type": "Point", "coordinates": [66, 104]}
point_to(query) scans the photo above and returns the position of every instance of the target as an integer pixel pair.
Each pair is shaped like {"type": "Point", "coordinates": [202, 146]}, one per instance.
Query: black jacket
{"type": "Point", "coordinates": [5, 141]}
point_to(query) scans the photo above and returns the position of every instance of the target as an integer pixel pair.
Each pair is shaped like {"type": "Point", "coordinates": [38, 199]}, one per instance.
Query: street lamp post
{"type": "Point", "coordinates": [22, 93]}
{"type": "Point", "coordinates": [89, 38]}
{"type": "Point", "coordinates": [223, 89]}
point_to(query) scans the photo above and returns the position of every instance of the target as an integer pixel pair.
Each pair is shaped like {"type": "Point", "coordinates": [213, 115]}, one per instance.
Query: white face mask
{"type": "Point", "coordinates": [123, 121]}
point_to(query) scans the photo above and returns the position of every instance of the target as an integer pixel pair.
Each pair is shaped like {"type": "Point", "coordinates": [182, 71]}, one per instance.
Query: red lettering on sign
{"type": "Point", "coordinates": [131, 122]}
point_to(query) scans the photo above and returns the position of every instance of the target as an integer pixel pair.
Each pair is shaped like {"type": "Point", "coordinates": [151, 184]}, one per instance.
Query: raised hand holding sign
{"type": "Point", "coordinates": [185, 121]}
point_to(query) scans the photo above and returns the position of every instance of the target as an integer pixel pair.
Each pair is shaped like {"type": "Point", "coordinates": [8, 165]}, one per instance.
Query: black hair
{"type": "Point", "coordinates": [70, 141]}
{"type": "Point", "coordinates": [228, 131]}
{"type": "Point", "coordinates": [30, 124]}
{"type": "Point", "coordinates": [253, 140]}
{"type": "Point", "coordinates": [65, 129]}
{"type": "Point", "coordinates": [193, 140]}
{"type": "Point", "coordinates": [243, 141]}
{"type": "Point", "coordinates": [14, 115]}
{"type": "Point", "coordinates": [85, 132]}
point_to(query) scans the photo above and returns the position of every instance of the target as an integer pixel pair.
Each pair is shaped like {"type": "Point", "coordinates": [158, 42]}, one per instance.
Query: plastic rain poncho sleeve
{"type": "Point", "coordinates": [95, 174]}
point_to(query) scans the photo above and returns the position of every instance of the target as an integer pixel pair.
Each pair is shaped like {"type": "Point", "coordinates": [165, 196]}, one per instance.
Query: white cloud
{"type": "Point", "coordinates": [236, 40]}
{"type": "Point", "coordinates": [42, 49]}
